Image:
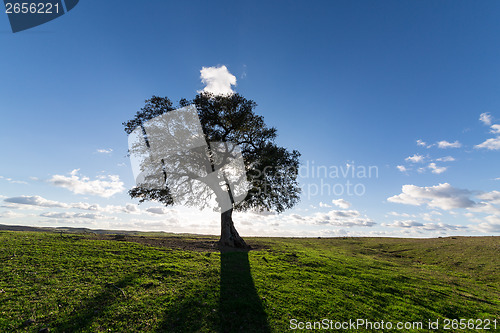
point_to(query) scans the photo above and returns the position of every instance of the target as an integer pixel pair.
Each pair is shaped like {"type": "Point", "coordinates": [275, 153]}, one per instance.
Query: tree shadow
{"type": "Point", "coordinates": [240, 307]}
{"type": "Point", "coordinates": [92, 308]}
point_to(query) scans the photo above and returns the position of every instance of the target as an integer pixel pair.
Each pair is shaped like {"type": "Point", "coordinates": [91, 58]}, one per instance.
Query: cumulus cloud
{"type": "Point", "coordinates": [322, 204]}
{"type": "Point", "coordinates": [104, 151]}
{"type": "Point", "coordinates": [446, 159]}
{"type": "Point", "coordinates": [495, 129]}
{"type": "Point", "coordinates": [411, 224]}
{"type": "Point", "coordinates": [443, 196]}
{"type": "Point", "coordinates": [416, 158]}
{"type": "Point", "coordinates": [336, 218]}
{"type": "Point", "coordinates": [165, 224]}
{"type": "Point", "coordinates": [488, 227]}
{"type": "Point", "coordinates": [68, 215]}
{"type": "Point", "coordinates": [35, 201]}
{"type": "Point", "coordinates": [435, 169]}
{"type": "Point", "coordinates": [12, 181]}
{"type": "Point", "coordinates": [159, 210]}
{"type": "Point", "coordinates": [10, 214]}
{"type": "Point", "coordinates": [445, 144]}
{"type": "Point", "coordinates": [443, 227]}
{"type": "Point", "coordinates": [401, 168]}
{"type": "Point", "coordinates": [341, 203]}
{"type": "Point", "coordinates": [422, 143]}
{"type": "Point", "coordinates": [399, 214]}
{"type": "Point", "coordinates": [40, 202]}
{"type": "Point", "coordinates": [128, 208]}
{"type": "Point", "coordinates": [218, 80]}
{"type": "Point", "coordinates": [493, 197]}
{"type": "Point", "coordinates": [429, 217]}
{"type": "Point", "coordinates": [485, 207]}
{"type": "Point", "coordinates": [344, 218]}
{"type": "Point", "coordinates": [405, 224]}
{"type": "Point", "coordinates": [104, 186]}
{"type": "Point", "coordinates": [490, 144]}
{"type": "Point", "coordinates": [486, 118]}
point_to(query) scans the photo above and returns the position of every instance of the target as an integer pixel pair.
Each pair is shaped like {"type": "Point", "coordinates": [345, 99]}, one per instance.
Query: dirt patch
{"type": "Point", "coordinates": [198, 243]}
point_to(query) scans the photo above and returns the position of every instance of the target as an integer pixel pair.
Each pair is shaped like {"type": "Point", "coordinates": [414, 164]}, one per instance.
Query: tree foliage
{"type": "Point", "coordinates": [271, 170]}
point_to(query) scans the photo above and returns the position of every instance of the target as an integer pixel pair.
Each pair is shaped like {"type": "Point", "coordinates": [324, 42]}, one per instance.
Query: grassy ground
{"type": "Point", "coordinates": [152, 283]}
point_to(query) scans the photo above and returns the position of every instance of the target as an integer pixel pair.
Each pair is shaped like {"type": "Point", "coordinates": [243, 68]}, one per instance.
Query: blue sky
{"type": "Point", "coordinates": [350, 84]}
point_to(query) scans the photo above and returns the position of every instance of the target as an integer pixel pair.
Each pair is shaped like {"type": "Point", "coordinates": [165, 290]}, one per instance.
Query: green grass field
{"type": "Point", "coordinates": [174, 283]}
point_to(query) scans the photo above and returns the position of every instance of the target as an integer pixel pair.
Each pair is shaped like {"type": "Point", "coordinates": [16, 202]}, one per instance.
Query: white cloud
{"type": "Point", "coordinates": [490, 144]}
{"type": "Point", "coordinates": [493, 197]}
{"type": "Point", "coordinates": [11, 215]}
{"type": "Point", "coordinates": [401, 168]}
{"type": "Point", "coordinates": [485, 118]}
{"type": "Point", "coordinates": [12, 181]}
{"type": "Point", "coordinates": [442, 227]}
{"type": "Point", "coordinates": [421, 143]}
{"type": "Point", "coordinates": [105, 186]}
{"type": "Point", "coordinates": [163, 225]}
{"type": "Point", "coordinates": [493, 219]}
{"type": "Point", "coordinates": [344, 218]}
{"type": "Point", "coordinates": [424, 144]}
{"type": "Point", "coordinates": [416, 158]}
{"type": "Point", "coordinates": [322, 204]}
{"type": "Point", "coordinates": [445, 144]}
{"type": "Point", "coordinates": [435, 169]}
{"type": "Point", "coordinates": [485, 207]}
{"type": "Point", "coordinates": [495, 129]}
{"type": "Point", "coordinates": [128, 208]}
{"type": "Point", "coordinates": [159, 210]}
{"type": "Point", "coordinates": [446, 159]}
{"type": "Point", "coordinates": [341, 203]}
{"type": "Point", "coordinates": [442, 196]}
{"type": "Point", "coordinates": [35, 201]}
{"type": "Point", "coordinates": [85, 206]}
{"type": "Point", "coordinates": [399, 214]}
{"type": "Point", "coordinates": [405, 224]}
{"type": "Point", "coordinates": [489, 227]}
{"type": "Point", "coordinates": [104, 151]}
{"type": "Point", "coordinates": [218, 80]}
{"type": "Point", "coordinates": [68, 215]}
{"type": "Point", "coordinates": [429, 217]}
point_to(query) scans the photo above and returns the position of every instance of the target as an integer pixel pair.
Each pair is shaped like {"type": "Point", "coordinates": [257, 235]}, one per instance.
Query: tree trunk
{"type": "Point", "coordinates": [229, 237]}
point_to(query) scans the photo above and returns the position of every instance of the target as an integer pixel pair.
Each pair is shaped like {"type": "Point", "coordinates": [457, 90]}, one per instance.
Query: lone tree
{"type": "Point", "coordinates": [270, 171]}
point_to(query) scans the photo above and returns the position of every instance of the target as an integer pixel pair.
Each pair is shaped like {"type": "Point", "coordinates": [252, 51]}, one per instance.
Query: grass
{"type": "Point", "coordinates": [77, 283]}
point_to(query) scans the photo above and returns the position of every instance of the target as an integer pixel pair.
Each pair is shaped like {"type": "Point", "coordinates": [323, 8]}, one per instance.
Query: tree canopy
{"type": "Point", "coordinates": [271, 171]}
